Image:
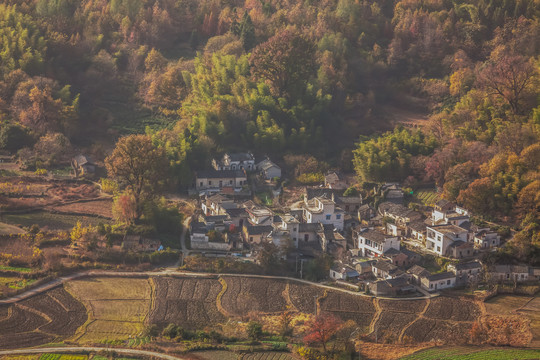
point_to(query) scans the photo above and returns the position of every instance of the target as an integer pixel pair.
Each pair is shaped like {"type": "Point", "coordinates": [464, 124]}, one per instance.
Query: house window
{"type": "Point", "coordinates": [522, 276]}
{"type": "Point", "coordinates": [447, 282]}
{"type": "Point", "coordinates": [438, 248]}
{"type": "Point", "coordinates": [251, 239]}
{"type": "Point", "coordinates": [338, 216]}
{"type": "Point", "coordinates": [201, 183]}
{"type": "Point", "coordinates": [328, 217]}
{"type": "Point", "coordinates": [209, 182]}
{"type": "Point", "coordinates": [230, 182]}
{"type": "Point", "coordinates": [294, 229]}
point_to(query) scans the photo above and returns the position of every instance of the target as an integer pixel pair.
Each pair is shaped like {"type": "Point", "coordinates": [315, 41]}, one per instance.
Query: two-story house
{"type": "Point", "coordinates": [214, 180]}
{"type": "Point", "coordinates": [323, 210]}
{"type": "Point", "coordinates": [486, 239]}
{"type": "Point", "coordinates": [217, 204]}
{"type": "Point", "coordinates": [445, 212]}
{"type": "Point", "coordinates": [235, 161]}
{"type": "Point", "coordinates": [440, 237]}
{"type": "Point", "coordinates": [373, 243]}
{"type": "Point", "coordinates": [466, 272]}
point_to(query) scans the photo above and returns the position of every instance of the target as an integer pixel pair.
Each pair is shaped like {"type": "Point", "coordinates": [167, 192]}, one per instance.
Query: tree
{"type": "Point", "coordinates": [286, 61]}
{"type": "Point", "coordinates": [14, 137]}
{"type": "Point", "coordinates": [509, 77]}
{"type": "Point", "coordinates": [247, 32]}
{"type": "Point", "coordinates": [269, 257]}
{"type": "Point", "coordinates": [254, 330]}
{"type": "Point", "coordinates": [322, 329]}
{"type": "Point", "coordinates": [139, 165]}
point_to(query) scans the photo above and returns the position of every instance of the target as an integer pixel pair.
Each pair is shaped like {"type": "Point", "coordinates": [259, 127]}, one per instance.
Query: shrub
{"type": "Point", "coordinates": [310, 178]}
{"type": "Point", "coordinates": [40, 172]}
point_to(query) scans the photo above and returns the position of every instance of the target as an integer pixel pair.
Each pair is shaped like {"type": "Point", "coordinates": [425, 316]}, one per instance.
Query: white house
{"type": "Point", "coordinates": [466, 272]}
{"type": "Point", "coordinates": [268, 169]}
{"type": "Point", "coordinates": [373, 243]}
{"type": "Point", "coordinates": [445, 212]}
{"type": "Point", "coordinates": [235, 161]}
{"type": "Point", "coordinates": [216, 180]}
{"type": "Point", "coordinates": [486, 239]}
{"type": "Point", "coordinates": [343, 272]}
{"type": "Point", "coordinates": [440, 237]}
{"type": "Point", "coordinates": [323, 210]}
{"type": "Point", "coordinates": [516, 273]}
{"type": "Point", "coordinates": [439, 281]}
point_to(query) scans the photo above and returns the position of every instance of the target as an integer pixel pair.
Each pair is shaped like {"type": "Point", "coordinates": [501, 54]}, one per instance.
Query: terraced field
{"type": "Point", "coordinates": [102, 309]}
{"type": "Point", "coordinates": [118, 307]}
{"type": "Point", "coordinates": [40, 319]}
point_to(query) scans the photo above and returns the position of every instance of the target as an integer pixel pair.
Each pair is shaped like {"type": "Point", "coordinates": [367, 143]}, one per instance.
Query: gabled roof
{"type": "Point", "coordinates": [240, 156]}
{"type": "Point", "coordinates": [332, 177]}
{"type": "Point", "coordinates": [310, 227]}
{"type": "Point", "coordinates": [441, 276]}
{"type": "Point", "coordinates": [374, 235]}
{"type": "Point", "coordinates": [236, 212]}
{"type": "Point", "coordinates": [259, 229]}
{"type": "Point", "coordinates": [468, 265]}
{"type": "Point", "coordinates": [83, 160]}
{"type": "Point", "coordinates": [218, 174]}
{"type": "Point", "coordinates": [511, 269]}
{"type": "Point", "coordinates": [385, 266]}
{"type": "Point", "coordinates": [418, 271]}
{"type": "Point", "coordinates": [266, 164]}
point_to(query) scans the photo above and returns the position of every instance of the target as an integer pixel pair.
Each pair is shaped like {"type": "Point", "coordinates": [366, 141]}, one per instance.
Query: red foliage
{"type": "Point", "coordinates": [322, 329]}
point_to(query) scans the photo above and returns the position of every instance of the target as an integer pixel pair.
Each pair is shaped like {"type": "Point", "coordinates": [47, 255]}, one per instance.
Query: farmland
{"type": "Point", "coordinates": [47, 220]}
{"type": "Point", "coordinates": [427, 197]}
{"type": "Point", "coordinates": [117, 307]}
{"type": "Point", "coordinates": [40, 319]}
{"type": "Point", "coordinates": [99, 310]}
{"type": "Point", "coordinates": [471, 353]}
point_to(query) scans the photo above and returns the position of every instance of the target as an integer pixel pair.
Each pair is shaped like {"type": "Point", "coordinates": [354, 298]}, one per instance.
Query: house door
{"type": "Point", "coordinates": [220, 183]}
{"type": "Point", "coordinates": [435, 286]}
{"type": "Point", "coordinates": [306, 237]}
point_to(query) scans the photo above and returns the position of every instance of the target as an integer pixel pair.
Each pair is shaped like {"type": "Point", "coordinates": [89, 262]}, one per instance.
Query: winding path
{"type": "Point", "coordinates": [173, 272]}
{"type": "Point", "coordinates": [79, 349]}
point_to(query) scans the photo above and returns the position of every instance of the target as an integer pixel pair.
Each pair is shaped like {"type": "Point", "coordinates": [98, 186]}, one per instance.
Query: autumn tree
{"type": "Point", "coordinates": [322, 329]}
{"type": "Point", "coordinates": [286, 61]}
{"type": "Point", "coordinates": [508, 76]}
{"type": "Point", "coordinates": [139, 165]}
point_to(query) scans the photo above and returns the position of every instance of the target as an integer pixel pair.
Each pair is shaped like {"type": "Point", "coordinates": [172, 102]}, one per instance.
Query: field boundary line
{"type": "Point", "coordinates": [376, 316]}
{"type": "Point", "coordinates": [103, 273]}
{"type": "Point", "coordinates": [78, 349]}
{"type": "Point", "coordinates": [35, 311]}
{"type": "Point", "coordinates": [222, 292]}
{"type": "Point", "coordinates": [419, 316]}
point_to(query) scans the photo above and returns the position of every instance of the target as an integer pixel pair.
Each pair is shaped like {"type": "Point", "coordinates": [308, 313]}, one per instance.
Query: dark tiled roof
{"type": "Point", "coordinates": [241, 157]}
{"type": "Point", "coordinates": [217, 174]}
{"type": "Point", "coordinates": [304, 227]}
{"type": "Point", "coordinates": [259, 229]}
{"type": "Point", "coordinates": [468, 265]}
{"type": "Point", "coordinates": [441, 276]}
{"type": "Point", "coordinates": [385, 266]}
{"type": "Point", "coordinates": [374, 235]}
{"type": "Point", "coordinates": [418, 271]}
{"type": "Point", "coordinates": [236, 212]}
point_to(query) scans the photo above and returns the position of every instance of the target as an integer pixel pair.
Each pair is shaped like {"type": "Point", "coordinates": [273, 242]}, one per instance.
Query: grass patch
{"type": "Point", "coordinates": [265, 197]}
{"type": "Point", "coordinates": [468, 353]}
{"type": "Point", "coordinates": [7, 229]}
{"type": "Point", "coordinates": [51, 221]}
{"type": "Point", "coordinates": [17, 269]}
{"type": "Point", "coordinates": [427, 196]}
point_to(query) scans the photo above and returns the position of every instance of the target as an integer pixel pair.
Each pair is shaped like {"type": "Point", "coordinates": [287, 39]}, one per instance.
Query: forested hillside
{"type": "Point", "coordinates": [287, 77]}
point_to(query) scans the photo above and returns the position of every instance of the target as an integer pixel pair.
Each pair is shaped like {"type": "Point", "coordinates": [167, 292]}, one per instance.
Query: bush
{"type": "Point", "coordinates": [352, 191]}
{"type": "Point", "coordinates": [40, 172]}
{"type": "Point", "coordinates": [254, 330]}
{"type": "Point", "coordinates": [310, 178]}
{"type": "Point", "coordinates": [109, 186]}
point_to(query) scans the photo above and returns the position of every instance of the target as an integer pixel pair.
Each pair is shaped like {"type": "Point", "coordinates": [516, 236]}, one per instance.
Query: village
{"type": "Point", "coordinates": [377, 250]}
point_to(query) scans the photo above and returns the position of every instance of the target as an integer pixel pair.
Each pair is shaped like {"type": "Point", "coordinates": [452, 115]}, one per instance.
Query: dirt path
{"type": "Point", "coordinates": [378, 312]}
{"type": "Point", "coordinates": [171, 272]}
{"type": "Point", "coordinates": [420, 315]}
{"type": "Point", "coordinates": [79, 349]}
